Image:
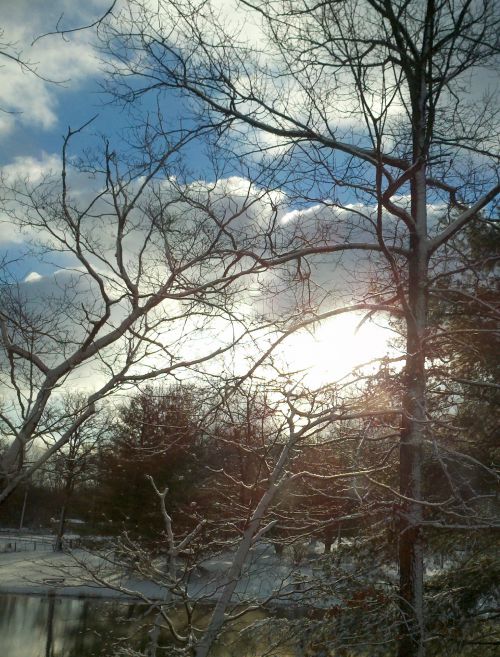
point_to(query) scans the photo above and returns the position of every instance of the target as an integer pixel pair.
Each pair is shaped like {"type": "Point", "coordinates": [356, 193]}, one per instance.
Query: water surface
{"type": "Point", "coordinates": [49, 626]}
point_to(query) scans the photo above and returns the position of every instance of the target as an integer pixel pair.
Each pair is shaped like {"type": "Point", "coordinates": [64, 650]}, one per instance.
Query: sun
{"type": "Point", "coordinates": [335, 348]}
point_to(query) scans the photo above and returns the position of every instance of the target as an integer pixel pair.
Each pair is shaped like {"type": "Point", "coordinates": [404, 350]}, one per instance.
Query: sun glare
{"type": "Point", "coordinates": [335, 348]}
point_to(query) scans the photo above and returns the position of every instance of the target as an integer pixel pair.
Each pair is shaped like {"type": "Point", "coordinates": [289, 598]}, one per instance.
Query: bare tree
{"type": "Point", "coordinates": [366, 155]}
{"type": "Point", "coordinates": [235, 526]}
{"type": "Point", "coordinates": [72, 466]}
{"type": "Point", "coordinates": [372, 103]}
{"type": "Point", "coordinates": [149, 266]}
{"type": "Point", "coordinates": [12, 51]}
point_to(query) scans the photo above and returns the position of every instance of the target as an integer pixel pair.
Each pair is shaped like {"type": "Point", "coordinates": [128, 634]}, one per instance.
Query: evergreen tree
{"type": "Point", "coordinates": [154, 435]}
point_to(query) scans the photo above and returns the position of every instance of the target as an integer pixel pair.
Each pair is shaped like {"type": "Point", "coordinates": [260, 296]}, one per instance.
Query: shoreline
{"type": "Point", "coordinates": [65, 575]}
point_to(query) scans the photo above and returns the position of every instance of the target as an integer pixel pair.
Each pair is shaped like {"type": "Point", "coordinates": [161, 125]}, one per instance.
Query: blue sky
{"type": "Point", "coordinates": [39, 110]}
{"type": "Point", "coordinates": [36, 113]}
{"type": "Point", "coordinates": [36, 110]}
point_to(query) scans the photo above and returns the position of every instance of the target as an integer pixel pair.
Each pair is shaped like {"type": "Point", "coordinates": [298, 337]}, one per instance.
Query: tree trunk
{"type": "Point", "coordinates": [60, 529]}
{"type": "Point", "coordinates": [411, 557]}
{"type": "Point", "coordinates": [234, 573]}
{"type": "Point", "coordinates": [50, 626]}
{"type": "Point", "coordinates": [23, 510]}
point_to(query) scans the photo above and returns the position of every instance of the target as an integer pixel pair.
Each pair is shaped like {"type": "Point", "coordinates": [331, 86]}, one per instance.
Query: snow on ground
{"type": "Point", "coordinates": [43, 572]}
{"type": "Point", "coordinates": [265, 575]}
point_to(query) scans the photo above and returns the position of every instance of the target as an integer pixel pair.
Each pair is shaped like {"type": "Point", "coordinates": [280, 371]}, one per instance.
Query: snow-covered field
{"type": "Point", "coordinates": [42, 572]}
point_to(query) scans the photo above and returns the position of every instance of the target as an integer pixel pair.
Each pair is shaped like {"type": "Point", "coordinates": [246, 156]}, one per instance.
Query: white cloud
{"type": "Point", "coordinates": [33, 277]}
{"type": "Point", "coordinates": [7, 122]}
{"type": "Point", "coordinates": [9, 233]}
{"type": "Point", "coordinates": [23, 168]}
{"type": "Point", "coordinates": [31, 168]}
{"type": "Point", "coordinates": [29, 93]}
{"type": "Point", "coordinates": [27, 97]}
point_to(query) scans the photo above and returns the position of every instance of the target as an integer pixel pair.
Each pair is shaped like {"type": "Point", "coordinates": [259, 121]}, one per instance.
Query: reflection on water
{"type": "Point", "coordinates": [37, 626]}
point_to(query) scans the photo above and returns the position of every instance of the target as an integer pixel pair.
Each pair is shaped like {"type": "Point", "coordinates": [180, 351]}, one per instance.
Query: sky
{"type": "Point", "coordinates": [38, 105]}
{"type": "Point", "coordinates": [61, 89]}
{"type": "Point", "coordinates": [36, 111]}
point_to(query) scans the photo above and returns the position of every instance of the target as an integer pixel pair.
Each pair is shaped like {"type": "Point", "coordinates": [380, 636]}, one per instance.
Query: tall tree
{"type": "Point", "coordinates": [154, 436]}
{"type": "Point", "coordinates": [74, 466]}
{"type": "Point", "coordinates": [144, 262]}
{"type": "Point", "coordinates": [461, 459]}
{"type": "Point", "coordinates": [366, 103]}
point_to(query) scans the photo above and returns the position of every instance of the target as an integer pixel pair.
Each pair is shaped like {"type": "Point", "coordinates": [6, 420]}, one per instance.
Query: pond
{"type": "Point", "coordinates": [49, 626]}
